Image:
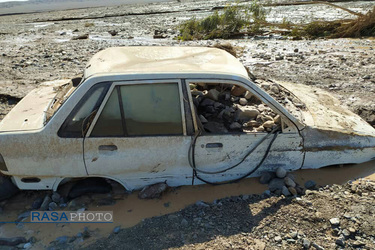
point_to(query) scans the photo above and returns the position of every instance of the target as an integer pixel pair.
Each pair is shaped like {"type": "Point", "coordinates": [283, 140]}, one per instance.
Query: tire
{"type": "Point", "coordinates": [7, 188]}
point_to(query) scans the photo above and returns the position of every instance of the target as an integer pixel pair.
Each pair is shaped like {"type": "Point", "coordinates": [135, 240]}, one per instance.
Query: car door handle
{"type": "Point", "coordinates": [214, 145]}
{"type": "Point", "coordinates": [107, 147]}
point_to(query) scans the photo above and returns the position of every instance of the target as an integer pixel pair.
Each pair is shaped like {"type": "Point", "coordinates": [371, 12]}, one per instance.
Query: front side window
{"type": "Point", "coordinates": [141, 110]}
{"type": "Point", "coordinates": [76, 124]}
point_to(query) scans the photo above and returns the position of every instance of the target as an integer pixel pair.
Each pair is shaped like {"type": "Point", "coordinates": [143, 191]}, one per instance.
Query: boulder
{"type": "Point", "coordinates": [153, 191]}
{"type": "Point", "coordinates": [237, 91]}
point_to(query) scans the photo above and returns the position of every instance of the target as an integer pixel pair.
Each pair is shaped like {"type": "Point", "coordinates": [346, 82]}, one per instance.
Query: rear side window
{"type": "Point", "coordinates": [141, 110]}
{"type": "Point", "coordinates": [75, 126]}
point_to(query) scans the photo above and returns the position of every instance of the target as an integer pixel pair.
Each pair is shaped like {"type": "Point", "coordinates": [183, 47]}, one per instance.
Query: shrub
{"type": "Point", "coordinates": [233, 19]}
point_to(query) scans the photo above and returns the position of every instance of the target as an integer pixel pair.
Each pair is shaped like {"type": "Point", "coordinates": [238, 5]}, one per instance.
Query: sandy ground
{"type": "Point", "coordinates": [39, 47]}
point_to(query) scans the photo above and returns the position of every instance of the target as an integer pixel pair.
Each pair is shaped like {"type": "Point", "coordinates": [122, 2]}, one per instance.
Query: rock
{"type": "Point", "coordinates": [184, 223]}
{"type": "Point", "coordinates": [316, 246]}
{"type": "Point", "coordinates": [248, 95]}
{"type": "Point", "coordinates": [276, 184]}
{"type": "Point", "coordinates": [215, 127]}
{"type": "Point", "coordinates": [346, 233]}
{"type": "Point", "coordinates": [340, 242]}
{"type": "Point", "coordinates": [358, 243]}
{"type": "Point", "coordinates": [45, 204]}
{"type": "Point", "coordinates": [280, 172]}
{"type": "Point", "coordinates": [306, 243]}
{"type": "Point", "coordinates": [210, 109]}
{"type": "Point", "coordinates": [203, 119]}
{"type": "Point", "coordinates": [237, 91]}
{"type": "Point", "coordinates": [260, 129]}
{"type": "Point", "coordinates": [56, 197]}
{"type": "Point", "coordinates": [201, 204]}
{"type": "Point", "coordinates": [27, 245]}
{"type": "Point", "coordinates": [335, 221]}
{"type": "Point", "coordinates": [294, 235]}
{"type": "Point", "coordinates": [235, 125]}
{"type": "Point", "coordinates": [266, 177]}
{"type": "Point", "coordinates": [366, 77]}
{"type": "Point", "coordinates": [265, 86]}
{"type": "Point", "coordinates": [277, 119]}
{"type": "Point", "coordinates": [285, 191]}
{"type": "Point", "coordinates": [81, 37]}
{"type": "Point", "coordinates": [62, 239]}
{"type": "Point", "coordinates": [213, 94]}
{"type": "Point", "coordinates": [52, 206]}
{"type": "Point", "coordinates": [218, 105]}
{"type": "Point", "coordinates": [12, 241]}
{"type": "Point", "coordinates": [206, 102]}
{"type": "Point", "coordinates": [289, 182]}
{"type": "Point", "coordinates": [243, 101]}
{"type": "Point", "coordinates": [23, 215]}
{"type": "Point", "coordinates": [293, 191]}
{"type": "Point", "coordinates": [153, 191]}
{"type": "Point", "coordinates": [37, 203]}
{"type": "Point", "coordinates": [352, 230]}
{"type": "Point", "coordinates": [268, 124]}
{"type": "Point", "coordinates": [86, 233]}
{"type": "Point", "coordinates": [275, 88]}
{"type": "Point", "coordinates": [310, 184]}
{"type": "Point", "coordinates": [278, 239]}
{"type": "Point", "coordinates": [252, 123]}
{"type": "Point", "coordinates": [113, 32]}
{"type": "Point", "coordinates": [247, 113]}
{"type": "Point", "coordinates": [267, 193]}
{"type": "Point", "coordinates": [117, 229]}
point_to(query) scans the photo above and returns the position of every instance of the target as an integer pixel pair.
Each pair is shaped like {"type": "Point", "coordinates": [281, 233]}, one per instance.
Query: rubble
{"type": "Point", "coordinates": [153, 191]}
{"type": "Point", "coordinates": [223, 108]}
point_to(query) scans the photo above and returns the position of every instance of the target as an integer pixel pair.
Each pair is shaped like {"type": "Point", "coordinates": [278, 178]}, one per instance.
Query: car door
{"type": "Point", "coordinates": [242, 153]}
{"type": "Point", "coordinates": [139, 136]}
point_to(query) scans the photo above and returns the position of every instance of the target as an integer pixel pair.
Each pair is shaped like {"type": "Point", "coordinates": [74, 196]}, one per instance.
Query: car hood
{"type": "Point", "coordinates": [323, 111]}
{"type": "Point", "coordinates": [29, 113]}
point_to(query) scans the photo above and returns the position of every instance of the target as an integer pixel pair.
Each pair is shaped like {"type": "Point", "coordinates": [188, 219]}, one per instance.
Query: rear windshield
{"type": "Point", "coordinates": [63, 92]}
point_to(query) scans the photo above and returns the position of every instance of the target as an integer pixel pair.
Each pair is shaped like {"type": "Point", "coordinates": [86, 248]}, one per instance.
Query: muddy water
{"type": "Point", "coordinates": [129, 210]}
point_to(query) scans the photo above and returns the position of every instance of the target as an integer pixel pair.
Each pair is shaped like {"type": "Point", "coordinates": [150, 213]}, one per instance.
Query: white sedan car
{"type": "Point", "coordinates": [180, 115]}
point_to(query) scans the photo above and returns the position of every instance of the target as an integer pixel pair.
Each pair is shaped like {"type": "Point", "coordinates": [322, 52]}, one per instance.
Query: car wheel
{"type": "Point", "coordinates": [7, 188]}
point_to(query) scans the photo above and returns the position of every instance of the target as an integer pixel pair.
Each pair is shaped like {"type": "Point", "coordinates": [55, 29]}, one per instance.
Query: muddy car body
{"type": "Point", "coordinates": [133, 119]}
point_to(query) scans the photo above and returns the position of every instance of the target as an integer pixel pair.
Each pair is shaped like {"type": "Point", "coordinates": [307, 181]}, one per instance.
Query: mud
{"type": "Point", "coordinates": [129, 210]}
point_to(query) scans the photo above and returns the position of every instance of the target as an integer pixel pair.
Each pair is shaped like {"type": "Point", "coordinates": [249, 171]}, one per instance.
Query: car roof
{"type": "Point", "coordinates": [163, 59]}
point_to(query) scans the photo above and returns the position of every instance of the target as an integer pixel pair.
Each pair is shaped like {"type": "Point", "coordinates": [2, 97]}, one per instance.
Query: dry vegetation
{"type": "Point", "coordinates": [250, 20]}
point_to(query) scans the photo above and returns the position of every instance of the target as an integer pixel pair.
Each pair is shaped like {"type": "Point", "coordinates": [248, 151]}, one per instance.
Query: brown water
{"type": "Point", "coordinates": [129, 210]}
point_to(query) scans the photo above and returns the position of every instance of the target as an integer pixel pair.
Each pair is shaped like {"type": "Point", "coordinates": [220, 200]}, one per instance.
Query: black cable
{"type": "Point", "coordinates": [195, 170]}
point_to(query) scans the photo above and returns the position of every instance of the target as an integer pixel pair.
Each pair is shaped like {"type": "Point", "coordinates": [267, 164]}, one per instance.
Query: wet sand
{"type": "Point", "coordinates": [129, 210]}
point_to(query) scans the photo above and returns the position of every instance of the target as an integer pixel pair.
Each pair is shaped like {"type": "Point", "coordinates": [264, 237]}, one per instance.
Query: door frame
{"type": "Point", "coordinates": [140, 82]}
{"type": "Point", "coordinates": [292, 128]}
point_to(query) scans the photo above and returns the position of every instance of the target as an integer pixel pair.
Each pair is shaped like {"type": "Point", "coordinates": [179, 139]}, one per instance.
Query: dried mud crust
{"type": "Point", "coordinates": [260, 222]}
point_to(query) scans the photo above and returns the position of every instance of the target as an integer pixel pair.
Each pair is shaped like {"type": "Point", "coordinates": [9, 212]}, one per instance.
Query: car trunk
{"type": "Point", "coordinates": [30, 112]}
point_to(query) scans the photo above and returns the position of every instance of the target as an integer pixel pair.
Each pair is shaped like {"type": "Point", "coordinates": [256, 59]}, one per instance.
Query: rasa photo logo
{"type": "Point", "coordinates": [71, 217]}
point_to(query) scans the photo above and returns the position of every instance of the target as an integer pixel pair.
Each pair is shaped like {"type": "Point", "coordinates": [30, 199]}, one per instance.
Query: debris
{"type": "Point", "coordinates": [81, 37]}
{"type": "Point", "coordinates": [306, 243]}
{"type": "Point", "coordinates": [289, 182]}
{"type": "Point", "coordinates": [153, 191]}
{"type": "Point", "coordinates": [117, 229]}
{"type": "Point", "coordinates": [266, 177]}
{"type": "Point", "coordinates": [310, 184]}
{"type": "Point", "coordinates": [335, 221]}
{"type": "Point", "coordinates": [12, 241]}
{"type": "Point", "coordinates": [280, 172]}
{"type": "Point", "coordinates": [45, 204]}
